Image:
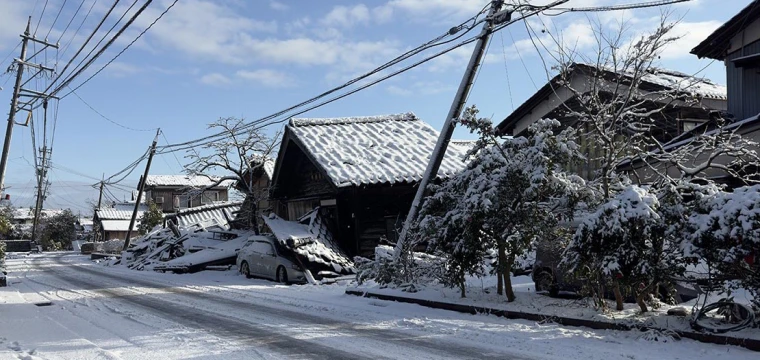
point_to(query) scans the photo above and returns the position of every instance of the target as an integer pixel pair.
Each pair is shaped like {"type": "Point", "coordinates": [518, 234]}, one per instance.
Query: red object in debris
{"type": "Point", "coordinates": [7, 196]}
{"type": "Point", "coordinates": [750, 259]}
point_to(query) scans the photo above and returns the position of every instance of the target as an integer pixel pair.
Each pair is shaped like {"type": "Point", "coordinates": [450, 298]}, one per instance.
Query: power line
{"type": "Point", "coordinates": [56, 18]}
{"type": "Point", "coordinates": [506, 69]}
{"type": "Point", "coordinates": [640, 5]}
{"type": "Point", "coordinates": [70, 20]}
{"type": "Point", "coordinates": [105, 117]}
{"type": "Point", "coordinates": [127, 47]}
{"type": "Point", "coordinates": [42, 14]}
{"type": "Point", "coordinates": [66, 47]}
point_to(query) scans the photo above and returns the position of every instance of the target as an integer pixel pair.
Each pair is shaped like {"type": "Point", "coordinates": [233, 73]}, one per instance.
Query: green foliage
{"type": "Point", "coordinates": [59, 230]}
{"type": "Point", "coordinates": [6, 228]}
{"type": "Point", "coordinates": [151, 218]}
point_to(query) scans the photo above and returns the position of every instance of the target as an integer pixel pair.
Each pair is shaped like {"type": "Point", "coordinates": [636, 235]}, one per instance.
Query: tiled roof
{"type": "Point", "coordinates": [184, 181]}
{"type": "Point", "coordinates": [375, 149]}
{"type": "Point", "coordinates": [683, 82]}
{"type": "Point", "coordinates": [190, 216]}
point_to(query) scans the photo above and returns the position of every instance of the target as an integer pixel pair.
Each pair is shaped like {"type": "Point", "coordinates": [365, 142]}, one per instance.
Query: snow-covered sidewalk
{"type": "Point", "coordinates": [482, 298]}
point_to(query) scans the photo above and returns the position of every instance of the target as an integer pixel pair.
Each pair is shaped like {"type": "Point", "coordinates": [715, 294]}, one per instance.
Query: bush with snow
{"type": "Point", "coordinates": [514, 191]}
{"type": "Point", "coordinates": [725, 233]}
{"type": "Point", "coordinates": [625, 245]}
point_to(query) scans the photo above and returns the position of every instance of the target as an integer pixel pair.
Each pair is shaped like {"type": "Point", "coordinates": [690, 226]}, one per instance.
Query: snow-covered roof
{"type": "Point", "coordinates": [687, 83]}
{"type": "Point", "coordinates": [198, 214]}
{"type": "Point", "coordinates": [120, 212]}
{"type": "Point", "coordinates": [26, 213]}
{"type": "Point", "coordinates": [375, 149]}
{"type": "Point", "coordinates": [269, 167]}
{"type": "Point", "coordinates": [190, 181]}
{"type": "Point", "coordinates": [117, 225]}
{"type": "Point", "coordinates": [311, 240]}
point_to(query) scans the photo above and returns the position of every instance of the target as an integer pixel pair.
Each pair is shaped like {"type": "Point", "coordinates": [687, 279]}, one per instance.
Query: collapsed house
{"type": "Point", "coordinates": [362, 173]}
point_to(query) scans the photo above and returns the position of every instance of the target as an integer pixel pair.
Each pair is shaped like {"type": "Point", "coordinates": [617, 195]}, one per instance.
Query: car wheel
{"type": "Point", "coordinates": [282, 275]}
{"type": "Point", "coordinates": [545, 282]}
{"type": "Point", "coordinates": [245, 269]}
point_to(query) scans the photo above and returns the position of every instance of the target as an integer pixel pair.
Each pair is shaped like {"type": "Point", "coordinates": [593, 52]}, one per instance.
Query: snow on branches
{"type": "Point", "coordinates": [514, 191]}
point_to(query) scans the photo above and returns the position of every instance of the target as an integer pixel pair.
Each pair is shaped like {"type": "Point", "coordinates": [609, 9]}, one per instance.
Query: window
{"type": "Point", "coordinates": [262, 248]}
{"type": "Point", "coordinates": [209, 197]}
{"type": "Point", "coordinates": [159, 200]}
{"type": "Point", "coordinates": [690, 125]}
{"type": "Point", "coordinates": [181, 201]}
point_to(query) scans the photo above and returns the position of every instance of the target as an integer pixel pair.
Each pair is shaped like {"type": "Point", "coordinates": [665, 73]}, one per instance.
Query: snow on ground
{"type": "Point", "coordinates": [482, 292]}
{"type": "Point", "coordinates": [107, 320]}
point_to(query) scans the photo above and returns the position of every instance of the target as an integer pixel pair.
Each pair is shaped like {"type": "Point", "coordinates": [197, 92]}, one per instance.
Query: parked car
{"type": "Point", "coordinates": [264, 256]}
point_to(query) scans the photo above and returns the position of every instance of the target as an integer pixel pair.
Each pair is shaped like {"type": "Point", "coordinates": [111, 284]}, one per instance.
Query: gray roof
{"type": "Point", "coordinates": [188, 181]}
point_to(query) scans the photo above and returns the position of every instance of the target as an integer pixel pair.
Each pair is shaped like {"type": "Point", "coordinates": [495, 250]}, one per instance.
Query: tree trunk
{"type": "Point", "coordinates": [501, 259]}
{"type": "Point", "coordinates": [641, 295]}
{"type": "Point", "coordinates": [618, 297]}
{"type": "Point", "coordinates": [508, 280]}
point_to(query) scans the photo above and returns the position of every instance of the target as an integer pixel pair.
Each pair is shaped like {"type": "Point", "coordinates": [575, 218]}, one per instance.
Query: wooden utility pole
{"type": "Point", "coordinates": [100, 197]}
{"type": "Point", "coordinates": [21, 62]}
{"type": "Point", "coordinates": [41, 177]}
{"type": "Point", "coordinates": [494, 16]}
{"type": "Point", "coordinates": [140, 188]}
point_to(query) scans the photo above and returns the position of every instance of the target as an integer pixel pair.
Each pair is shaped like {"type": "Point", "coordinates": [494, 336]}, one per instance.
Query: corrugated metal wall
{"type": "Point", "coordinates": [743, 84]}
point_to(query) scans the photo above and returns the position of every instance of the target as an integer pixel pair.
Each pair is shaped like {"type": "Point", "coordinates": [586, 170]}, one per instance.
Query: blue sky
{"type": "Point", "coordinates": [211, 59]}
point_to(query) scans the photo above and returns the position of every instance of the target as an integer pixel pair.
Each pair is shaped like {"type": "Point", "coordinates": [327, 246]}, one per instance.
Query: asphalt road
{"type": "Point", "coordinates": [251, 325]}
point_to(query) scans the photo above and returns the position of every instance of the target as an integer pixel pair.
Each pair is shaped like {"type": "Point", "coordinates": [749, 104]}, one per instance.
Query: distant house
{"type": "Point", "coordinates": [176, 192]}
{"type": "Point", "coordinates": [554, 98]}
{"type": "Point", "coordinates": [113, 222]}
{"type": "Point", "coordinates": [737, 44]}
{"type": "Point", "coordinates": [362, 172]}
{"type": "Point", "coordinates": [219, 214]}
{"type": "Point", "coordinates": [25, 216]}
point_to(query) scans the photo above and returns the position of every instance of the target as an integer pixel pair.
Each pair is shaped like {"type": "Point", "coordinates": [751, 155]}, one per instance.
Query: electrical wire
{"type": "Point", "coordinates": [56, 18]}
{"type": "Point", "coordinates": [70, 21]}
{"type": "Point", "coordinates": [66, 47]}
{"type": "Point", "coordinates": [84, 67]}
{"type": "Point", "coordinates": [616, 7]}
{"type": "Point", "coordinates": [42, 14]}
{"type": "Point", "coordinates": [388, 64]}
{"type": "Point", "coordinates": [106, 118]}
{"type": "Point", "coordinates": [506, 69]}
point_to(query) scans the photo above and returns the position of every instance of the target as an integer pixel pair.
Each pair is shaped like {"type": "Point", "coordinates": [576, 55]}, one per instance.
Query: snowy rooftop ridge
{"type": "Point", "coordinates": [409, 116]}
{"type": "Point", "coordinates": [385, 149]}
{"type": "Point", "coordinates": [185, 181]}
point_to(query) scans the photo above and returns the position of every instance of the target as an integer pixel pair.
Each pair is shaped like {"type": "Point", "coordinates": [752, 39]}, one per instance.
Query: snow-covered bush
{"type": "Point", "coordinates": [624, 244]}
{"type": "Point", "coordinates": [513, 191]}
{"type": "Point", "coordinates": [725, 233]}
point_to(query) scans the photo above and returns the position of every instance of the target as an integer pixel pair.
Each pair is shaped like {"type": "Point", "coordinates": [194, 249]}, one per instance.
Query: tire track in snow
{"type": "Point", "coordinates": [423, 345]}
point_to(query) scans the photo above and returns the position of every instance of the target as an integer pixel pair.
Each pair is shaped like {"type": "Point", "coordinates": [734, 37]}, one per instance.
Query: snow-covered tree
{"type": "Point", "coordinates": [243, 149]}
{"type": "Point", "coordinates": [724, 232]}
{"type": "Point", "coordinates": [58, 230]}
{"type": "Point", "coordinates": [625, 243]}
{"type": "Point", "coordinates": [151, 218]}
{"type": "Point", "coordinates": [514, 191]}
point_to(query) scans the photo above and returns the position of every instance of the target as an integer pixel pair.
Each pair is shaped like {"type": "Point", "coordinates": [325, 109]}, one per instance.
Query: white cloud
{"type": "Point", "coordinates": [267, 77]}
{"type": "Point", "coordinates": [690, 35]}
{"type": "Point", "coordinates": [420, 88]}
{"type": "Point", "coordinates": [345, 16]}
{"type": "Point", "coordinates": [276, 5]}
{"type": "Point", "coordinates": [438, 10]}
{"type": "Point", "coordinates": [215, 79]}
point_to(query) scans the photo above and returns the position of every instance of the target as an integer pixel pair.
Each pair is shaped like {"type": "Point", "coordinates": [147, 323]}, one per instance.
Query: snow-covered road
{"type": "Point", "coordinates": [112, 313]}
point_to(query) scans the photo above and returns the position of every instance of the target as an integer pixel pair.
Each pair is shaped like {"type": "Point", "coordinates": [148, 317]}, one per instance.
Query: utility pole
{"type": "Point", "coordinates": [41, 177]}
{"type": "Point", "coordinates": [19, 91]}
{"type": "Point", "coordinates": [494, 17]}
{"type": "Point", "coordinates": [140, 188]}
{"type": "Point", "coordinates": [100, 197]}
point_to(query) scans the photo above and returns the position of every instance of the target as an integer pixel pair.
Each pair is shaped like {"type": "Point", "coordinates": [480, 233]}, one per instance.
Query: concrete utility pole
{"type": "Point", "coordinates": [494, 17]}
{"type": "Point", "coordinates": [21, 62]}
{"type": "Point", "coordinates": [41, 176]}
{"type": "Point", "coordinates": [140, 188]}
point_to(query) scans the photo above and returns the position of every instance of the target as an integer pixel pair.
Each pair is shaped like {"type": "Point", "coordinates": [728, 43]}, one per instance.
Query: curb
{"type": "Point", "coordinates": [750, 344]}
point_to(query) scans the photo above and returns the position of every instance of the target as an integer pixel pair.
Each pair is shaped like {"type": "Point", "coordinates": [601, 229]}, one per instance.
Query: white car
{"type": "Point", "coordinates": [264, 256]}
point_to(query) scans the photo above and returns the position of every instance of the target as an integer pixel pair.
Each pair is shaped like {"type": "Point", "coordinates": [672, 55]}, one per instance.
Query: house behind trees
{"type": "Point", "coordinates": [560, 97]}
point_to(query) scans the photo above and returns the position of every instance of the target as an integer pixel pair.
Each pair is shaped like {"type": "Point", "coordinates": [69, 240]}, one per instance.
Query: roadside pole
{"type": "Point", "coordinates": [456, 109]}
{"type": "Point", "coordinates": [140, 188]}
